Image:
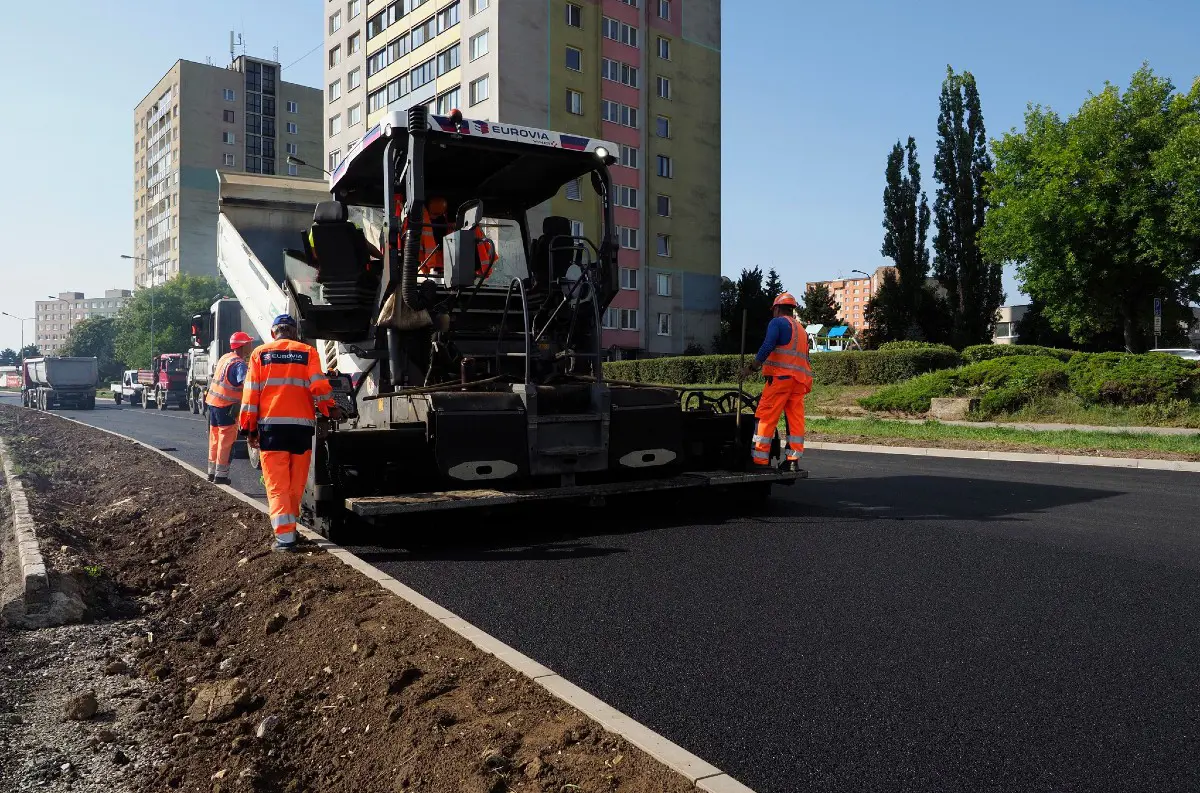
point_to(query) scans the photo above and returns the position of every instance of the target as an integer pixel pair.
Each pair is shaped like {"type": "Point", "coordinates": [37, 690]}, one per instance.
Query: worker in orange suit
{"type": "Point", "coordinates": [285, 388]}
{"type": "Point", "coordinates": [224, 399]}
{"type": "Point", "coordinates": [435, 224]}
{"type": "Point", "coordinates": [788, 378]}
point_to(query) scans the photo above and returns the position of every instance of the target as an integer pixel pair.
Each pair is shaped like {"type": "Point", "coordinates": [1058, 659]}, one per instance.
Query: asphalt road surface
{"type": "Point", "coordinates": [894, 623]}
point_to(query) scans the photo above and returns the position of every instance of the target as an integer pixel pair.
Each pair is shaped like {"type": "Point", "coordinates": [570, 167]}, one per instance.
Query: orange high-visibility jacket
{"type": "Point", "coordinates": [284, 387]}
{"type": "Point", "coordinates": [791, 359]}
{"type": "Point", "coordinates": [221, 392]}
{"type": "Point", "coordinates": [432, 261]}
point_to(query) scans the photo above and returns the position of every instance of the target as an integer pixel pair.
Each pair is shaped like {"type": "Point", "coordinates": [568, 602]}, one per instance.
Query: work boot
{"type": "Point", "coordinates": [787, 466]}
{"type": "Point", "coordinates": [222, 480]}
{"type": "Point", "coordinates": [283, 547]}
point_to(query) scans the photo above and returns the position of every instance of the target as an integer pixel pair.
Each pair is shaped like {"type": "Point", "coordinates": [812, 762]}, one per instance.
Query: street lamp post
{"type": "Point", "coordinates": [22, 320]}
{"type": "Point", "coordinates": [150, 267]}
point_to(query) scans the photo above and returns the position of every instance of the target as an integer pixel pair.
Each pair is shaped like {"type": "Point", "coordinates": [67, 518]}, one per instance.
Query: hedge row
{"type": "Point", "coordinates": [1008, 383]}
{"type": "Point", "coordinates": [875, 367]}
{"type": "Point", "coordinates": [987, 352]}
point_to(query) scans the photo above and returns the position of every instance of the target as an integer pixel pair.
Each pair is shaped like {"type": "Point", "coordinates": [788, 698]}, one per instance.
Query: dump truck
{"type": "Point", "coordinates": [165, 383]}
{"type": "Point", "coordinates": [476, 386]}
{"type": "Point", "coordinates": [51, 382]}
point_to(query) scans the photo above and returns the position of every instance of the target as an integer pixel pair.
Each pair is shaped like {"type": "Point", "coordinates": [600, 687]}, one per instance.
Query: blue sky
{"type": "Point", "coordinates": [814, 96]}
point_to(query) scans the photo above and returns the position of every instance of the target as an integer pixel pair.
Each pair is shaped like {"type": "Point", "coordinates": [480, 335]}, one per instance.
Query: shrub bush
{"type": "Point", "coordinates": [1118, 378]}
{"type": "Point", "coordinates": [912, 396]}
{"type": "Point", "coordinates": [987, 352]}
{"type": "Point", "coordinates": [876, 367]}
{"type": "Point", "coordinates": [913, 345]}
{"type": "Point", "coordinates": [1003, 385]}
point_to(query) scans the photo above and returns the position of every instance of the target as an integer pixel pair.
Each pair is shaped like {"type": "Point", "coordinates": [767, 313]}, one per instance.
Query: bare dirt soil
{"type": "Point", "coordinates": [266, 672]}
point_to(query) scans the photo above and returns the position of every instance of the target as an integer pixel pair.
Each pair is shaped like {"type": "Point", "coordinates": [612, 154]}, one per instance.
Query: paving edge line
{"type": "Point", "coordinates": [1012, 457]}
{"type": "Point", "coordinates": [700, 773]}
{"type": "Point", "coordinates": [29, 556]}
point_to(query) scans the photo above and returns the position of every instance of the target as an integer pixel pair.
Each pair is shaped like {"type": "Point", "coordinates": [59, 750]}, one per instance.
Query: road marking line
{"type": "Point", "coordinates": [700, 773]}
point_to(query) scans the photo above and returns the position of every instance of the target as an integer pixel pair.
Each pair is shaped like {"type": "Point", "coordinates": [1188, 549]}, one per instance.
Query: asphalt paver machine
{"type": "Point", "coordinates": [479, 386]}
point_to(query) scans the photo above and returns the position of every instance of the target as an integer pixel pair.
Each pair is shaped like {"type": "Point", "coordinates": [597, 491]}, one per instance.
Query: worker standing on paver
{"type": "Point", "coordinates": [224, 399]}
{"type": "Point", "coordinates": [787, 375]}
{"type": "Point", "coordinates": [284, 388]}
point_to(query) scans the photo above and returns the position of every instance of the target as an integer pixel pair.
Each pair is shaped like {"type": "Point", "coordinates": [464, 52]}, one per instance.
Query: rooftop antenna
{"type": "Point", "coordinates": [275, 53]}
{"type": "Point", "coordinates": [234, 44]}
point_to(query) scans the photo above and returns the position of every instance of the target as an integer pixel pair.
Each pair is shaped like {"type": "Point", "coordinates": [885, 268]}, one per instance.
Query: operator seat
{"type": "Point", "coordinates": [552, 265]}
{"type": "Point", "coordinates": [338, 250]}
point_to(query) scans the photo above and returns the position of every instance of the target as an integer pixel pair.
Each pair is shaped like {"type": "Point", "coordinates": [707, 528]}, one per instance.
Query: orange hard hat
{"type": "Point", "coordinates": [437, 205]}
{"type": "Point", "coordinates": [239, 339]}
{"type": "Point", "coordinates": [785, 299]}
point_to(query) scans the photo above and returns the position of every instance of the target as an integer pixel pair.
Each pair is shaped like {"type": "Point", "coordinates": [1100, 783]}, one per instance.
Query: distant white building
{"type": "Point", "coordinates": [55, 318]}
{"type": "Point", "coordinates": [1006, 324]}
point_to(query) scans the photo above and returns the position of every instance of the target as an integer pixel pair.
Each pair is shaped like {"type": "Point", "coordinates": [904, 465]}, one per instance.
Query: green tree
{"type": "Point", "coordinates": [30, 351]}
{"type": "Point", "coordinates": [887, 314]}
{"type": "Point", "coordinates": [906, 225]}
{"type": "Point", "coordinates": [961, 165]}
{"type": "Point", "coordinates": [174, 305]}
{"type": "Point", "coordinates": [819, 306]}
{"type": "Point", "coordinates": [1101, 211]}
{"type": "Point", "coordinates": [96, 337]}
{"type": "Point", "coordinates": [748, 294]}
{"type": "Point", "coordinates": [774, 285]}
{"type": "Point", "coordinates": [9, 357]}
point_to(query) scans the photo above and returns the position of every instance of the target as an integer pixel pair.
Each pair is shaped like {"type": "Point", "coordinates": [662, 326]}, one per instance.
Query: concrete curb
{"type": "Point", "coordinates": [1012, 457]}
{"type": "Point", "coordinates": [703, 775]}
{"type": "Point", "coordinates": [29, 555]}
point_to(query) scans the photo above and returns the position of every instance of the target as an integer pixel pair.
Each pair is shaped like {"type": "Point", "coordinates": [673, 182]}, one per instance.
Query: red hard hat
{"type": "Point", "coordinates": [785, 299]}
{"type": "Point", "coordinates": [239, 339]}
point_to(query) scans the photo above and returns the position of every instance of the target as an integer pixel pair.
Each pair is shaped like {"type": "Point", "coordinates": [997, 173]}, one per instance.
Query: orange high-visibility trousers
{"type": "Point", "coordinates": [285, 475]}
{"type": "Point", "coordinates": [220, 448]}
{"type": "Point", "coordinates": [780, 397]}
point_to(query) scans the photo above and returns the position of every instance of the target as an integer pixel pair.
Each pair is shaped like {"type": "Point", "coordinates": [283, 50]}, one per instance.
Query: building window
{"type": "Point", "coordinates": [335, 22]}
{"type": "Point", "coordinates": [335, 90]}
{"type": "Point", "coordinates": [663, 284]}
{"type": "Point", "coordinates": [293, 148]}
{"type": "Point", "coordinates": [354, 115]}
{"type": "Point", "coordinates": [292, 128]}
{"type": "Point", "coordinates": [354, 43]}
{"type": "Point", "coordinates": [617, 113]}
{"type": "Point", "coordinates": [422, 75]}
{"type": "Point", "coordinates": [574, 15]}
{"type": "Point", "coordinates": [629, 156]}
{"type": "Point", "coordinates": [627, 197]}
{"type": "Point", "coordinates": [664, 88]}
{"type": "Point", "coordinates": [577, 228]}
{"type": "Point", "coordinates": [354, 8]}
{"type": "Point", "coordinates": [447, 18]}
{"type": "Point", "coordinates": [662, 127]}
{"type": "Point", "coordinates": [633, 3]}
{"type": "Point", "coordinates": [664, 9]}
{"type": "Point", "coordinates": [448, 59]}
{"type": "Point", "coordinates": [619, 31]}
{"type": "Point", "coordinates": [478, 45]}
{"type": "Point", "coordinates": [335, 127]}
{"type": "Point", "coordinates": [664, 324]}
{"type": "Point", "coordinates": [293, 169]}
{"type": "Point", "coordinates": [230, 160]}
{"type": "Point", "coordinates": [228, 116]}
{"type": "Point", "coordinates": [335, 56]}
{"type": "Point", "coordinates": [293, 107]}
{"type": "Point", "coordinates": [574, 102]}
{"type": "Point", "coordinates": [354, 79]}
{"type": "Point", "coordinates": [575, 190]}
{"type": "Point", "coordinates": [448, 101]}
{"type": "Point", "coordinates": [629, 278]}
{"type": "Point", "coordinates": [629, 238]}
{"type": "Point", "coordinates": [664, 48]}
{"type": "Point", "coordinates": [228, 138]}
{"type": "Point", "coordinates": [334, 158]}
{"type": "Point", "coordinates": [229, 94]}
{"type": "Point", "coordinates": [619, 72]}
{"type": "Point", "coordinates": [478, 90]}
{"type": "Point", "coordinates": [666, 168]}
{"type": "Point", "coordinates": [664, 206]}
{"type": "Point", "coordinates": [476, 6]}
{"type": "Point", "coordinates": [664, 244]}
{"type": "Point", "coordinates": [627, 318]}
{"type": "Point", "coordinates": [377, 100]}
{"type": "Point", "coordinates": [574, 59]}
{"type": "Point", "coordinates": [376, 24]}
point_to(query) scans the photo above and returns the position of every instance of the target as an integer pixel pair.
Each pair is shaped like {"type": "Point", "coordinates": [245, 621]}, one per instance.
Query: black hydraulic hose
{"type": "Point", "coordinates": [412, 258]}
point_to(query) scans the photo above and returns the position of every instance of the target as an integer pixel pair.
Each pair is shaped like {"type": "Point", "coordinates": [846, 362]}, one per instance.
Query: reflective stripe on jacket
{"type": "Point", "coordinates": [221, 391]}
{"type": "Point", "coordinates": [790, 359]}
{"type": "Point", "coordinates": [284, 387]}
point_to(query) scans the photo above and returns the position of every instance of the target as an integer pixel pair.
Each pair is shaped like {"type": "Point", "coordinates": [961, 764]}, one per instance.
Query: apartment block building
{"type": "Point", "coordinates": [55, 318]}
{"type": "Point", "coordinates": [853, 294]}
{"type": "Point", "coordinates": [197, 120]}
{"type": "Point", "coordinates": [644, 74]}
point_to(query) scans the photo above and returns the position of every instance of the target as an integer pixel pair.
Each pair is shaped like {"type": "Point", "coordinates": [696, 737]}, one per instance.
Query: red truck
{"type": "Point", "coordinates": [165, 382]}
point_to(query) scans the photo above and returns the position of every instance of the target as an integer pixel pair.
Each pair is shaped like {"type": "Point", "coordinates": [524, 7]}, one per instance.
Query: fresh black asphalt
{"type": "Point", "coordinates": [892, 624]}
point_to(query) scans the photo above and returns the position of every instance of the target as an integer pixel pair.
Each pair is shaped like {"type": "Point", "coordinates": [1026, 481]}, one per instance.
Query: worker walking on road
{"type": "Point", "coordinates": [224, 399]}
{"type": "Point", "coordinates": [284, 388]}
{"type": "Point", "coordinates": [788, 377]}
